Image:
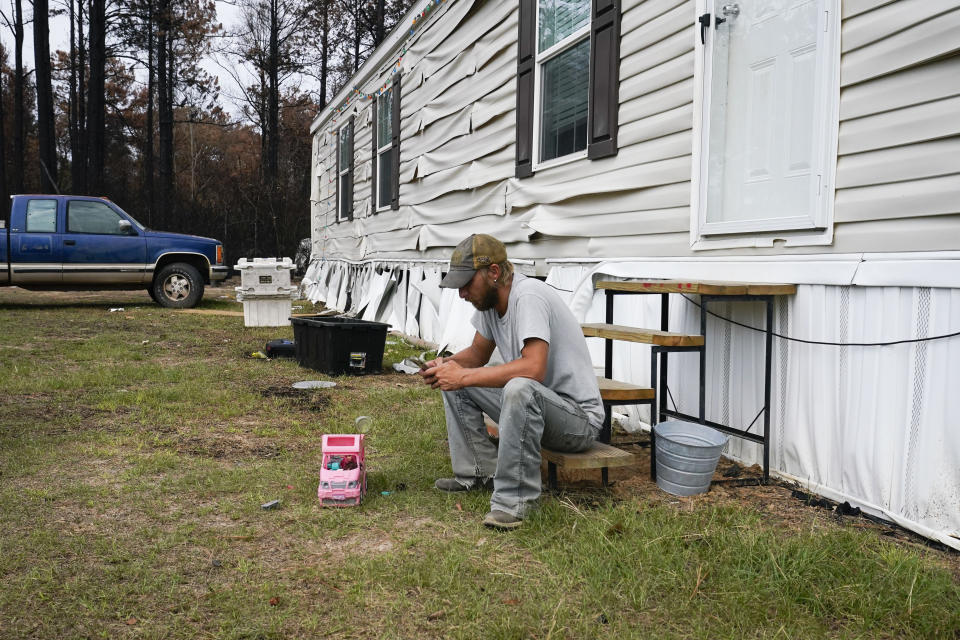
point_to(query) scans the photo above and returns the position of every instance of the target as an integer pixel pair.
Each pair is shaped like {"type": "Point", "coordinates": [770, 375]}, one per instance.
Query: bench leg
{"type": "Point", "coordinates": [552, 476]}
{"type": "Point", "coordinates": [604, 478]}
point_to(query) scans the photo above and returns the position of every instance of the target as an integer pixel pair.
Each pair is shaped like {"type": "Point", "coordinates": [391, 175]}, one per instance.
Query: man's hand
{"type": "Point", "coordinates": [426, 372]}
{"type": "Point", "coordinates": [447, 376]}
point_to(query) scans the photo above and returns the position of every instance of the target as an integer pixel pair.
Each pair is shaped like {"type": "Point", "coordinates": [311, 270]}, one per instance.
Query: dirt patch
{"type": "Point", "coordinates": [782, 504]}
{"type": "Point", "coordinates": [43, 414]}
{"type": "Point", "coordinates": [223, 447]}
{"type": "Point", "coordinates": [309, 399]}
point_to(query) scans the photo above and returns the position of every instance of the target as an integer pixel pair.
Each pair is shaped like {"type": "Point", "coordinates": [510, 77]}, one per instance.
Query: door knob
{"type": "Point", "coordinates": [731, 10]}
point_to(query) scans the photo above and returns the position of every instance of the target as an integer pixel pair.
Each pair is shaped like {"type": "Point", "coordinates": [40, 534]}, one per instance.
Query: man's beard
{"type": "Point", "coordinates": [489, 300]}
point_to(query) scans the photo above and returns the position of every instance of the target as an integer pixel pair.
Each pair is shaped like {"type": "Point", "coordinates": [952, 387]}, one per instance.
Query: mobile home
{"type": "Point", "coordinates": [812, 142]}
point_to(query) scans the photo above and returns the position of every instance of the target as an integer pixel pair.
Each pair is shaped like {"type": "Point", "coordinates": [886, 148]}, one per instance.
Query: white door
{"type": "Point", "coordinates": [766, 108]}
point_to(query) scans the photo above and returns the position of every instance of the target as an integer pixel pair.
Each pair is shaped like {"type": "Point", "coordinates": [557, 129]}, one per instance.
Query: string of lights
{"type": "Point", "coordinates": [356, 93]}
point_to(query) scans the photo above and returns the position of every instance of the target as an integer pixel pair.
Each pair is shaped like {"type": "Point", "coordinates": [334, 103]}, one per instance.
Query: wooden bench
{"type": "Point", "coordinates": [646, 336]}
{"type": "Point", "coordinates": [599, 456]}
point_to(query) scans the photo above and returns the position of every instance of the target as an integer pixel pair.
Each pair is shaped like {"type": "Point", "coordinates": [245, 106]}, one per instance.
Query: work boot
{"type": "Point", "coordinates": [455, 484]}
{"type": "Point", "coordinates": [501, 520]}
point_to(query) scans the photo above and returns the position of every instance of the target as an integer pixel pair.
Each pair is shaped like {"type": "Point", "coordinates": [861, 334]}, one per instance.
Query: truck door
{"type": "Point", "coordinates": [35, 253]}
{"type": "Point", "coordinates": [100, 245]}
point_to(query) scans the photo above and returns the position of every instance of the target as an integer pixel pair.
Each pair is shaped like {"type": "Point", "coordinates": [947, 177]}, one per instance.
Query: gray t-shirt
{"type": "Point", "coordinates": [534, 310]}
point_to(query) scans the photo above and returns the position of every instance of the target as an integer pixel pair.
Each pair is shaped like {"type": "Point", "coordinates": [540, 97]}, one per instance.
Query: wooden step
{"type": "Point", "coordinates": [598, 456]}
{"type": "Point", "coordinates": [704, 287]}
{"type": "Point", "coordinates": [646, 336]}
{"type": "Point", "coordinates": [616, 390]}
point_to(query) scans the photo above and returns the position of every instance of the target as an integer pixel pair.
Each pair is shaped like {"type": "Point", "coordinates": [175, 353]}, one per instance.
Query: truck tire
{"type": "Point", "coordinates": [178, 286]}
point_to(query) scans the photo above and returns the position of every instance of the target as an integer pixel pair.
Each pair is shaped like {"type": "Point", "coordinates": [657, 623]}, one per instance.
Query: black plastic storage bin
{"type": "Point", "coordinates": [336, 345]}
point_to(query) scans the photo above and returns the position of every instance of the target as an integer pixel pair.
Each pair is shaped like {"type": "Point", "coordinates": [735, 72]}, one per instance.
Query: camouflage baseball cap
{"type": "Point", "coordinates": [478, 251]}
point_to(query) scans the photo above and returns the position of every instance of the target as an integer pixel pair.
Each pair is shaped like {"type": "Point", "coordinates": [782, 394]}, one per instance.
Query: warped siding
{"type": "Point", "coordinates": [898, 170]}
{"type": "Point", "coordinates": [898, 166]}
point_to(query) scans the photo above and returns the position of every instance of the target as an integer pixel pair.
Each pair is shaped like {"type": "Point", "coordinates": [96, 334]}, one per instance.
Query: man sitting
{"type": "Point", "coordinates": [545, 393]}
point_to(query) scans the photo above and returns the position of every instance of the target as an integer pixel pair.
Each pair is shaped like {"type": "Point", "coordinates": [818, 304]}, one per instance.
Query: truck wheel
{"type": "Point", "coordinates": [178, 286]}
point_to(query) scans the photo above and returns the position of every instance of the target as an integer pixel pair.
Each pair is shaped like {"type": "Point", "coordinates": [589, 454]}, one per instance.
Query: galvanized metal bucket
{"type": "Point", "coordinates": [687, 454]}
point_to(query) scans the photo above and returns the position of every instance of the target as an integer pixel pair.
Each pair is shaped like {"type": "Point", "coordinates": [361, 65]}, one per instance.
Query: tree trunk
{"type": "Point", "coordinates": [3, 149]}
{"type": "Point", "coordinates": [18, 81]}
{"type": "Point", "coordinates": [148, 134]}
{"type": "Point", "coordinates": [357, 35]}
{"type": "Point", "coordinates": [46, 137]}
{"type": "Point", "coordinates": [76, 164]}
{"type": "Point", "coordinates": [165, 109]}
{"type": "Point", "coordinates": [324, 55]}
{"type": "Point", "coordinates": [378, 33]}
{"type": "Point", "coordinates": [273, 101]}
{"type": "Point", "coordinates": [96, 103]}
{"type": "Point", "coordinates": [80, 160]}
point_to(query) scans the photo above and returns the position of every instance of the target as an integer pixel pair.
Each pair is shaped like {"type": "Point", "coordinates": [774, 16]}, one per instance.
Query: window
{"type": "Point", "coordinates": [765, 142]}
{"type": "Point", "coordinates": [385, 178]}
{"type": "Point", "coordinates": [384, 150]}
{"type": "Point", "coordinates": [94, 217]}
{"type": "Point", "coordinates": [41, 216]}
{"type": "Point", "coordinates": [563, 57]}
{"type": "Point", "coordinates": [345, 171]}
{"type": "Point", "coordinates": [567, 81]}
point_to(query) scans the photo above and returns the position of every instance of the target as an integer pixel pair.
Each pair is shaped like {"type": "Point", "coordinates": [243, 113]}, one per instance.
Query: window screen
{"type": "Point", "coordinates": [345, 165]}
{"type": "Point", "coordinates": [385, 117]}
{"type": "Point", "coordinates": [564, 96]}
{"type": "Point", "coordinates": [384, 148]}
{"type": "Point", "coordinates": [559, 19]}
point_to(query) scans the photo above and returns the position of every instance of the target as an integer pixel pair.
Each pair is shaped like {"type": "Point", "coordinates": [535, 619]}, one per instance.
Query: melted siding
{"type": "Point", "coordinates": [899, 146]}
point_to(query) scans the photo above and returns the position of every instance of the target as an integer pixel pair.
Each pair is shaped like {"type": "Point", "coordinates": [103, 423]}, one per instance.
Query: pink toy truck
{"type": "Point", "coordinates": [343, 476]}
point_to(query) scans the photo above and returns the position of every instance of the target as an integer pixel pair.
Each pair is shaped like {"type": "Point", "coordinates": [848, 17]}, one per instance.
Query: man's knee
{"type": "Point", "coordinates": [519, 390]}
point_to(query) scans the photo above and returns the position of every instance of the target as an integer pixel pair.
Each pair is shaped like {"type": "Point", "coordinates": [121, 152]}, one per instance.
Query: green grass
{"type": "Point", "coordinates": [137, 447]}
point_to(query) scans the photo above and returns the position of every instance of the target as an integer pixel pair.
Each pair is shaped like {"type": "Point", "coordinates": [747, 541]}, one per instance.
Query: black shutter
{"type": "Point", "coordinates": [353, 132]}
{"type": "Point", "coordinates": [526, 61]}
{"type": "Point", "coordinates": [373, 162]}
{"type": "Point", "coordinates": [604, 78]}
{"type": "Point", "coordinates": [395, 143]}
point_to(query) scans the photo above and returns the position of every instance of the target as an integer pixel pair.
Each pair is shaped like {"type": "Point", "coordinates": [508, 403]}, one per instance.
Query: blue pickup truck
{"type": "Point", "coordinates": [77, 242]}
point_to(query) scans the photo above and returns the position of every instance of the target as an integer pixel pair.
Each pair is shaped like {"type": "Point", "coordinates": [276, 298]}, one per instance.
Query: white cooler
{"type": "Point", "coordinates": [265, 291]}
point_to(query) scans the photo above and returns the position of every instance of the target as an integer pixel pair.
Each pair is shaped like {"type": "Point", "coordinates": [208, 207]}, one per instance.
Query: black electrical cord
{"type": "Point", "coordinates": [831, 344]}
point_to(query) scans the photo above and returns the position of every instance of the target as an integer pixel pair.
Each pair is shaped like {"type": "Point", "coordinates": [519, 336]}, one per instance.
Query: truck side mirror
{"type": "Point", "coordinates": [126, 227]}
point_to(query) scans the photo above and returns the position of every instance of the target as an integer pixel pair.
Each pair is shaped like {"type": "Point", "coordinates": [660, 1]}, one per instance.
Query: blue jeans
{"type": "Point", "coordinates": [529, 416]}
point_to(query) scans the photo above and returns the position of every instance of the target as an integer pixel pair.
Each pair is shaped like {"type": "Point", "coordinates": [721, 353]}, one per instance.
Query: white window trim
{"type": "Point", "coordinates": [797, 231]}
{"type": "Point", "coordinates": [541, 59]}
{"type": "Point", "coordinates": [341, 217]}
{"type": "Point", "coordinates": [381, 148]}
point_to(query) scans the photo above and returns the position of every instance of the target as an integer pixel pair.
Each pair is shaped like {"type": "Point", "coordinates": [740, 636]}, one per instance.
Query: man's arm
{"type": "Point", "coordinates": [532, 363]}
